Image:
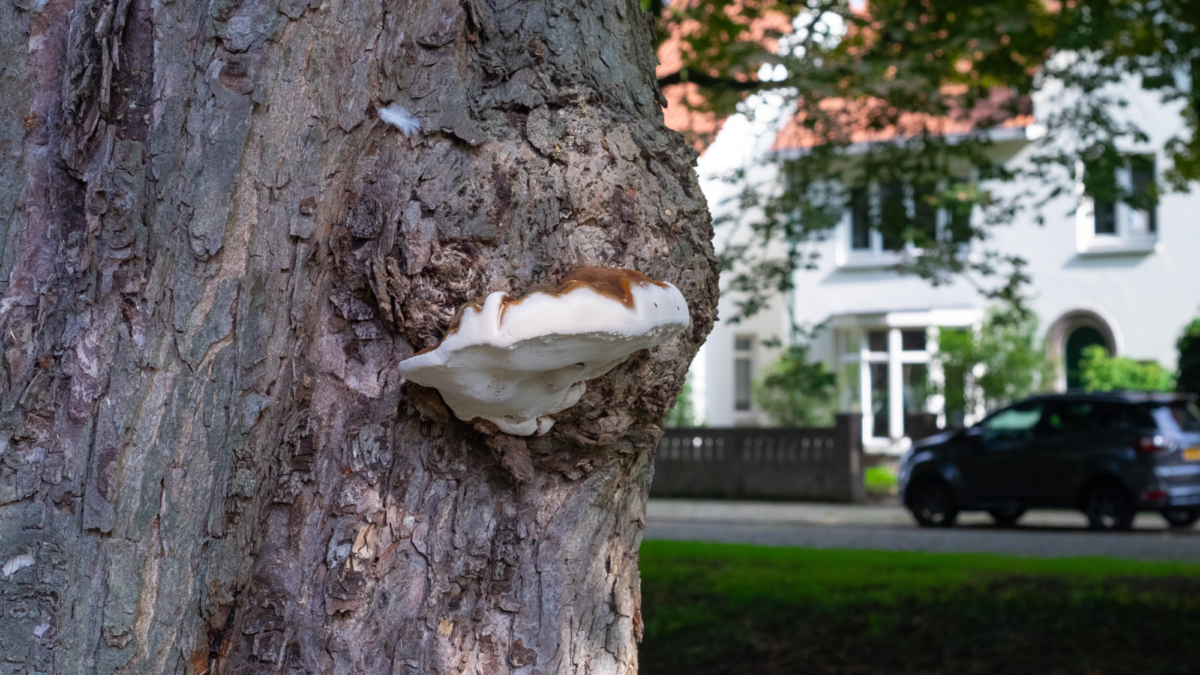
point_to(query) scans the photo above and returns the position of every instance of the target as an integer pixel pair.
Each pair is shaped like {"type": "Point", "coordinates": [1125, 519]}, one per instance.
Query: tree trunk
{"type": "Point", "coordinates": [214, 254]}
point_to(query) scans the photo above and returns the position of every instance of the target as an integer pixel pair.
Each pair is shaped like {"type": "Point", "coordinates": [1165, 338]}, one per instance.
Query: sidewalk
{"type": "Point", "coordinates": [854, 514]}
{"type": "Point", "coordinates": [1042, 533]}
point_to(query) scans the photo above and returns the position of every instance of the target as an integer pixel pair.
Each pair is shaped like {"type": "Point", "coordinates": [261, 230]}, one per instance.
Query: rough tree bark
{"type": "Point", "coordinates": [213, 254]}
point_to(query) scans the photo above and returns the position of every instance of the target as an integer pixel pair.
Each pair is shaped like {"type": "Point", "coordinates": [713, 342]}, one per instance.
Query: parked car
{"type": "Point", "coordinates": [1109, 455]}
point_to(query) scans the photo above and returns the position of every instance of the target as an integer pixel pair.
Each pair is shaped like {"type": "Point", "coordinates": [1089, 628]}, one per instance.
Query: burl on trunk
{"type": "Point", "coordinates": [214, 253]}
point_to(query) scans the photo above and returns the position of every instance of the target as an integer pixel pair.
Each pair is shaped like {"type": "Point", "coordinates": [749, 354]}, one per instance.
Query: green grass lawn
{"type": "Point", "coordinates": [717, 608]}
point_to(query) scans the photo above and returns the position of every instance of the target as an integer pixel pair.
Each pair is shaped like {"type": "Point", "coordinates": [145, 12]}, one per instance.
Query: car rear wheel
{"type": "Point", "coordinates": [1107, 507]}
{"type": "Point", "coordinates": [932, 503]}
{"type": "Point", "coordinates": [1181, 517]}
{"type": "Point", "coordinates": [1007, 516]}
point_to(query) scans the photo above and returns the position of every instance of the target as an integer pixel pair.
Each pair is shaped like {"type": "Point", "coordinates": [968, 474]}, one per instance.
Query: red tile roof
{"type": "Point", "coordinates": [869, 120]}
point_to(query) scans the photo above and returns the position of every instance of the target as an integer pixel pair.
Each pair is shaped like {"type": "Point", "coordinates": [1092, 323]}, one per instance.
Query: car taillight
{"type": "Point", "coordinates": [1153, 496]}
{"type": "Point", "coordinates": [1151, 443]}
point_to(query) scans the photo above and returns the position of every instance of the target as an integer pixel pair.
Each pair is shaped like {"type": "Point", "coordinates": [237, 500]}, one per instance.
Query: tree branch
{"type": "Point", "coordinates": [709, 81]}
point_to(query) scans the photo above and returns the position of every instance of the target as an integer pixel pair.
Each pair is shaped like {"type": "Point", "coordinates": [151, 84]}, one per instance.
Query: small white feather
{"type": "Point", "coordinates": [401, 119]}
{"type": "Point", "coordinates": [16, 564]}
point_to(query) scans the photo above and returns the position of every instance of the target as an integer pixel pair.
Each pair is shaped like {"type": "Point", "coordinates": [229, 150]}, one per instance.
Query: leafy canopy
{"type": "Point", "coordinates": [1005, 360]}
{"type": "Point", "coordinates": [913, 91]}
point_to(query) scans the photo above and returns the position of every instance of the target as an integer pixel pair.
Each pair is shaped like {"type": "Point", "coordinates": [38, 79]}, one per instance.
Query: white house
{"type": "Point", "coordinates": [1116, 276]}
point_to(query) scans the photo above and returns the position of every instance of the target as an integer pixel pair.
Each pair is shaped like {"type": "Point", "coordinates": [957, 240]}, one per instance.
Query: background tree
{"type": "Point", "coordinates": [1004, 361]}
{"type": "Point", "coordinates": [214, 253]}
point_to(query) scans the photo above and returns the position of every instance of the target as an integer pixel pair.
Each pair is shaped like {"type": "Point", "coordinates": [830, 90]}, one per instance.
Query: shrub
{"type": "Point", "coordinates": [1188, 378]}
{"type": "Point", "coordinates": [1101, 372]}
{"type": "Point", "coordinates": [796, 393]}
{"type": "Point", "coordinates": [880, 480]}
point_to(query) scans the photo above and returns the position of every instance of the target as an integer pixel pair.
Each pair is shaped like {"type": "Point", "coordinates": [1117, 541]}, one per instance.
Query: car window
{"type": "Point", "coordinates": [1015, 419]}
{"type": "Point", "coordinates": [1015, 424]}
{"type": "Point", "coordinates": [1067, 417]}
{"type": "Point", "coordinates": [1075, 417]}
{"type": "Point", "coordinates": [1177, 416]}
{"type": "Point", "coordinates": [1128, 417]}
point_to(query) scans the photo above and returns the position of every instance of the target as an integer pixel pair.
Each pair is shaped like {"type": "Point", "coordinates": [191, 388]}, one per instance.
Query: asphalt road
{"type": "Point", "coordinates": [1048, 533]}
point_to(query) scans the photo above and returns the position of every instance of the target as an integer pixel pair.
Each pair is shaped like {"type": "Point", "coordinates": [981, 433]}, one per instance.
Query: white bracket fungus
{"type": "Point", "coordinates": [515, 362]}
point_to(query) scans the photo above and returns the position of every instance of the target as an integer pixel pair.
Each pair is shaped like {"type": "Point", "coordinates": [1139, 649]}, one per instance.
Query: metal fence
{"type": "Point", "coordinates": [748, 463]}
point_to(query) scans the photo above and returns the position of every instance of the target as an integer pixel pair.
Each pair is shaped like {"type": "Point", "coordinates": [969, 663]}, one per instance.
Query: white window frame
{"type": "Point", "coordinates": [896, 358]}
{"type": "Point", "coordinates": [852, 335]}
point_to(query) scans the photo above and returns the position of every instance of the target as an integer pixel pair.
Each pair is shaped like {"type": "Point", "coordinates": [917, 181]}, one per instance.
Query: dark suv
{"type": "Point", "coordinates": [1109, 455]}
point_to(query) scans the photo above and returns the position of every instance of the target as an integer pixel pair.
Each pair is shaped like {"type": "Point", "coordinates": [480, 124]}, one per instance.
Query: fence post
{"type": "Point", "coordinates": [849, 436]}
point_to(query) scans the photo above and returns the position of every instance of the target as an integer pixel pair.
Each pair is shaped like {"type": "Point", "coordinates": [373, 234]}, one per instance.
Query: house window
{"type": "Point", "coordinates": [925, 210]}
{"type": "Point", "coordinates": [1135, 214]}
{"type": "Point", "coordinates": [1129, 221]}
{"type": "Point", "coordinates": [880, 405]}
{"type": "Point", "coordinates": [892, 208]}
{"type": "Point", "coordinates": [860, 219]}
{"type": "Point", "coordinates": [915, 387]}
{"type": "Point", "coordinates": [912, 340]}
{"type": "Point", "coordinates": [743, 371]}
{"type": "Point", "coordinates": [958, 223]}
{"type": "Point", "coordinates": [1105, 217]}
{"type": "Point", "coordinates": [908, 209]}
{"type": "Point", "coordinates": [1143, 201]}
{"type": "Point", "coordinates": [877, 341]}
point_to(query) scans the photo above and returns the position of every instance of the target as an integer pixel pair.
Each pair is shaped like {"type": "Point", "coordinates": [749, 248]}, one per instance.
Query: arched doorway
{"type": "Point", "coordinates": [1071, 333]}
{"type": "Point", "coordinates": [1079, 339]}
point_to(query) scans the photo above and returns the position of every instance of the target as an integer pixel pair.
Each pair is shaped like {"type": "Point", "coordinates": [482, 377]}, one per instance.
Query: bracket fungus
{"type": "Point", "coordinates": [516, 362]}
